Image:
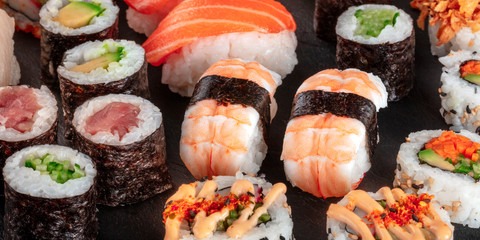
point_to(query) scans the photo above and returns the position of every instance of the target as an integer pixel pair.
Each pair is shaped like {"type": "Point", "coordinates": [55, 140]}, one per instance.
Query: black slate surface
{"type": "Point", "coordinates": [418, 111]}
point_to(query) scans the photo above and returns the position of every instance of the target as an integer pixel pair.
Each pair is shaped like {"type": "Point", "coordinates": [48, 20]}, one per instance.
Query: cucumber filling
{"type": "Point", "coordinates": [373, 21]}
{"type": "Point", "coordinates": [461, 164]}
{"type": "Point", "coordinates": [59, 171]}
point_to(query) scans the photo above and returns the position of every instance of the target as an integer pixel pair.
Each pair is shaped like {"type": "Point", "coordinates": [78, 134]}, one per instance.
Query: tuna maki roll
{"type": "Point", "coordinates": [99, 68]}
{"type": "Point", "coordinates": [50, 194]}
{"type": "Point", "coordinates": [379, 39]}
{"type": "Point", "coordinates": [28, 116]}
{"type": "Point", "coordinates": [233, 207]}
{"type": "Point", "coordinates": [445, 164]}
{"type": "Point", "coordinates": [124, 134]}
{"type": "Point", "coordinates": [66, 24]}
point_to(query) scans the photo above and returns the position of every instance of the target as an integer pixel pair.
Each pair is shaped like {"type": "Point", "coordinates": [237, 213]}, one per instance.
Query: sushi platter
{"type": "Point", "coordinates": [118, 218]}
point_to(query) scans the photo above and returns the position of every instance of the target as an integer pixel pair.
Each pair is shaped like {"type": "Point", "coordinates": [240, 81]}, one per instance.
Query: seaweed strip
{"type": "Point", "coordinates": [341, 104]}
{"type": "Point", "coordinates": [73, 95]}
{"type": "Point", "coordinates": [130, 173]}
{"type": "Point", "coordinates": [394, 63]}
{"type": "Point", "coordinates": [28, 217]}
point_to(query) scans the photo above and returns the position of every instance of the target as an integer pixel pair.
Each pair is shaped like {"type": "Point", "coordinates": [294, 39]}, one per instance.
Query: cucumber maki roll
{"type": "Point", "coordinates": [124, 134]}
{"type": "Point", "coordinates": [66, 24]}
{"type": "Point", "coordinates": [379, 39]}
{"type": "Point", "coordinates": [50, 194]}
{"type": "Point", "coordinates": [99, 68]}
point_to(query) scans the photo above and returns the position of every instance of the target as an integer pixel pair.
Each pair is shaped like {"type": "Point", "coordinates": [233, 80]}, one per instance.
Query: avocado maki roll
{"type": "Point", "coordinates": [50, 194]}
{"type": "Point", "coordinates": [379, 39]}
{"type": "Point", "coordinates": [124, 134]}
{"type": "Point", "coordinates": [99, 68]}
{"type": "Point", "coordinates": [65, 24]}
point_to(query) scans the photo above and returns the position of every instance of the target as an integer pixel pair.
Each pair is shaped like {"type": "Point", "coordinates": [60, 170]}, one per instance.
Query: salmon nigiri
{"type": "Point", "coordinates": [333, 131]}
{"type": "Point", "coordinates": [198, 33]}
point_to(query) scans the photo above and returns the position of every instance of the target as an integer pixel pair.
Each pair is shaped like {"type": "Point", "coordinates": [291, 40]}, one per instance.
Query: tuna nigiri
{"type": "Point", "coordinates": [225, 124]}
{"type": "Point", "coordinates": [198, 33]}
{"type": "Point", "coordinates": [333, 131]}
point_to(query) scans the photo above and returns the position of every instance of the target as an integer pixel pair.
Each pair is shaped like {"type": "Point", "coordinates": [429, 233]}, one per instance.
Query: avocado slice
{"type": "Point", "coordinates": [473, 78]}
{"type": "Point", "coordinates": [77, 14]}
{"type": "Point", "coordinates": [429, 156]}
{"type": "Point", "coordinates": [100, 62]}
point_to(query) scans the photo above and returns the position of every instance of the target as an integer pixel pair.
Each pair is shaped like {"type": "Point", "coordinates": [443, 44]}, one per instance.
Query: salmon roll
{"type": "Point", "coordinates": [66, 24]}
{"type": "Point", "coordinates": [124, 134]}
{"type": "Point", "coordinates": [332, 132]}
{"type": "Point", "coordinates": [388, 214]}
{"type": "Point", "coordinates": [445, 164]}
{"type": "Point", "coordinates": [226, 122]}
{"type": "Point", "coordinates": [99, 68]}
{"type": "Point", "coordinates": [28, 116]}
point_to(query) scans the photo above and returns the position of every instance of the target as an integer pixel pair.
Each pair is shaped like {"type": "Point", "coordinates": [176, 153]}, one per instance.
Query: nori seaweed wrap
{"type": "Point", "coordinates": [38, 207]}
{"type": "Point", "coordinates": [389, 55]}
{"type": "Point", "coordinates": [57, 38]}
{"type": "Point", "coordinates": [126, 73]}
{"type": "Point", "coordinates": [327, 13]}
{"type": "Point", "coordinates": [128, 147]}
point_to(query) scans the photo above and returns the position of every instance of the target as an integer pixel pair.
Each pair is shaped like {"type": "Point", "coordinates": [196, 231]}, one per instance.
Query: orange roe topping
{"type": "Point", "coordinates": [470, 67]}
{"type": "Point", "coordinates": [451, 145]}
{"type": "Point", "coordinates": [188, 208]}
{"type": "Point", "coordinates": [411, 208]}
{"type": "Point", "coordinates": [452, 14]}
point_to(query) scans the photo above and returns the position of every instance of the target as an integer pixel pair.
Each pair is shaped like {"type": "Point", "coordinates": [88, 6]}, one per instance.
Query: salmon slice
{"type": "Point", "coordinates": [18, 106]}
{"type": "Point", "coordinates": [116, 118]}
{"type": "Point", "coordinates": [195, 19]}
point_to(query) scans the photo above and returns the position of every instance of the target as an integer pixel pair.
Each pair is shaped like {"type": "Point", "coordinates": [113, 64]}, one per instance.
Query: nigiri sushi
{"type": "Point", "coordinates": [226, 121]}
{"type": "Point", "coordinates": [143, 16]}
{"type": "Point", "coordinates": [26, 14]}
{"type": "Point", "coordinates": [198, 33]}
{"type": "Point", "coordinates": [333, 131]}
{"type": "Point", "coordinates": [9, 68]}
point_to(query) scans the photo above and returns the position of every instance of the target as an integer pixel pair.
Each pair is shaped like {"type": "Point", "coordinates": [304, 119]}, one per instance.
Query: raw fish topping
{"type": "Point", "coordinates": [452, 14]}
{"type": "Point", "coordinates": [18, 106]}
{"type": "Point", "coordinates": [373, 21]}
{"type": "Point", "coordinates": [116, 117]}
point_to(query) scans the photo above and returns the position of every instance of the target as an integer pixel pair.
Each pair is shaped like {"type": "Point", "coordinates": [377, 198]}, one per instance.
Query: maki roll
{"type": "Point", "coordinates": [387, 214]}
{"type": "Point", "coordinates": [50, 194]}
{"type": "Point", "coordinates": [28, 116]}
{"type": "Point", "coordinates": [233, 207]}
{"type": "Point", "coordinates": [99, 68]}
{"type": "Point", "coordinates": [189, 40]}
{"type": "Point", "coordinates": [327, 12]}
{"type": "Point", "coordinates": [226, 122]}
{"type": "Point", "coordinates": [66, 24]}
{"type": "Point", "coordinates": [9, 68]}
{"type": "Point", "coordinates": [460, 91]}
{"type": "Point", "coordinates": [332, 132]}
{"type": "Point", "coordinates": [445, 164]}
{"type": "Point", "coordinates": [379, 39]}
{"type": "Point", "coordinates": [124, 135]}
{"type": "Point", "coordinates": [25, 13]}
{"type": "Point", "coordinates": [453, 24]}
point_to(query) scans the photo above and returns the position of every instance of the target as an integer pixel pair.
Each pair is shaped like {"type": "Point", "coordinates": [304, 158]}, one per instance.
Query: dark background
{"type": "Point", "coordinates": [418, 111]}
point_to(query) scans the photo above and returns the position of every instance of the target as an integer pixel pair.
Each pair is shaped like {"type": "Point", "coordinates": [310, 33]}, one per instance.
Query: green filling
{"type": "Point", "coordinates": [373, 21]}
{"type": "Point", "coordinates": [100, 62]}
{"type": "Point", "coordinates": [464, 165]}
{"type": "Point", "coordinates": [473, 78]}
{"type": "Point", "coordinates": [59, 171]}
{"type": "Point", "coordinates": [235, 214]}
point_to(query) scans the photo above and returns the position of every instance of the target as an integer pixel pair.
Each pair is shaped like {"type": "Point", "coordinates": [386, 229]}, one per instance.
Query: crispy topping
{"type": "Point", "coordinates": [451, 145]}
{"type": "Point", "coordinates": [453, 15]}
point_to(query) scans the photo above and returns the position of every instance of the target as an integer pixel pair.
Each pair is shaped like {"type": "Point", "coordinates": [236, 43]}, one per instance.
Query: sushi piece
{"type": "Point", "coordinates": [28, 116]}
{"type": "Point", "coordinates": [332, 132]}
{"type": "Point", "coordinates": [445, 164]}
{"type": "Point", "coordinates": [66, 24]}
{"type": "Point", "coordinates": [198, 33]}
{"type": "Point", "coordinates": [99, 68]}
{"type": "Point", "coordinates": [453, 24]}
{"type": "Point", "coordinates": [144, 16]}
{"type": "Point", "coordinates": [124, 135]}
{"type": "Point", "coordinates": [226, 122]}
{"type": "Point", "coordinates": [327, 13]}
{"type": "Point", "coordinates": [379, 39]}
{"type": "Point", "coordinates": [233, 207]}
{"type": "Point", "coordinates": [459, 92]}
{"type": "Point", "coordinates": [26, 14]}
{"type": "Point", "coordinates": [50, 194]}
{"type": "Point", "coordinates": [9, 69]}
{"type": "Point", "coordinates": [387, 214]}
